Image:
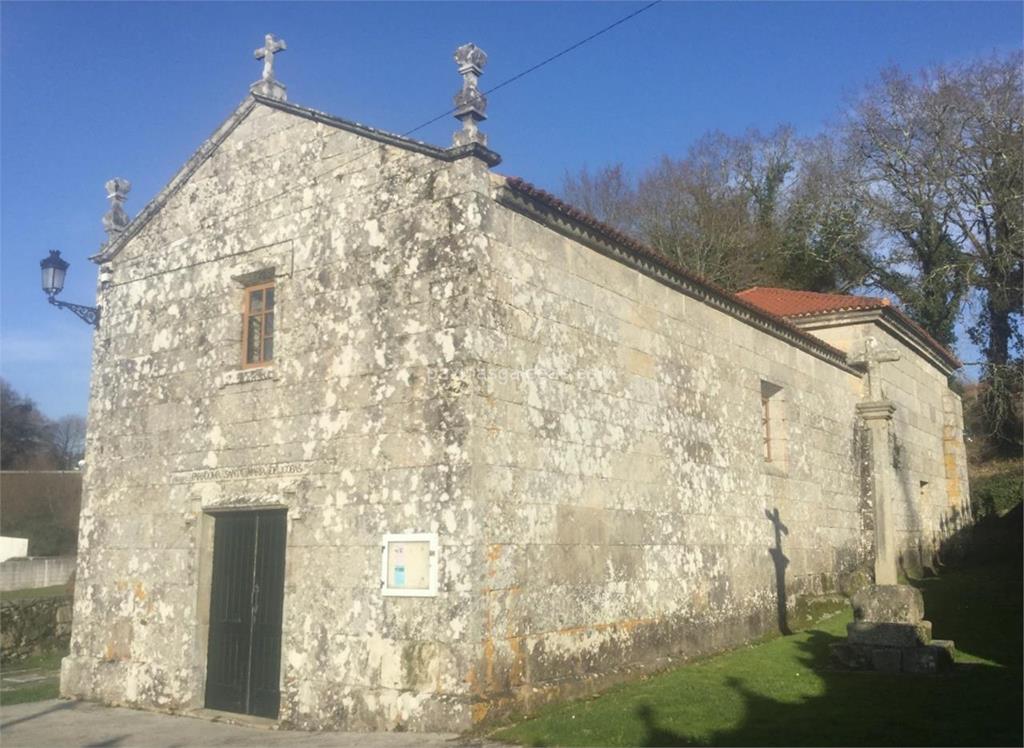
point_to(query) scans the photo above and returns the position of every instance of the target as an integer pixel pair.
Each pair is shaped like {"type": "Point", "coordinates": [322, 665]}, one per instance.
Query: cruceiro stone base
{"type": "Point", "coordinates": [889, 634]}
{"type": "Point", "coordinates": [934, 657]}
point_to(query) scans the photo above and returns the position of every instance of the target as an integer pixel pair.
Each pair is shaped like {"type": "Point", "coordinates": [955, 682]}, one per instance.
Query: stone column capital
{"type": "Point", "coordinates": [876, 410]}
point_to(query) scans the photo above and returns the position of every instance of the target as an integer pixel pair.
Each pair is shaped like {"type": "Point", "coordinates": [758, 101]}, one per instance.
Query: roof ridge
{"type": "Point", "coordinates": [450, 153]}
{"type": "Point", "coordinates": [782, 290]}
{"type": "Point", "coordinates": [199, 156]}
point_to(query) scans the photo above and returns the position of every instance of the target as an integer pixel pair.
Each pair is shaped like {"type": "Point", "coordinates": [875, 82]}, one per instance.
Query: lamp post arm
{"type": "Point", "coordinates": [88, 314]}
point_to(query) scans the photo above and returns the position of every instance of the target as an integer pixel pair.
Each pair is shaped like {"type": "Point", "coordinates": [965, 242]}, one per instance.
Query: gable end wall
{"type": "Point", "coordinates": [356, 429]}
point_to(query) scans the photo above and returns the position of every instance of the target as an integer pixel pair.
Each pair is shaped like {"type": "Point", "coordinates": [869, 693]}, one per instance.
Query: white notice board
{"type": "Point", "coordinates": [409, 564]}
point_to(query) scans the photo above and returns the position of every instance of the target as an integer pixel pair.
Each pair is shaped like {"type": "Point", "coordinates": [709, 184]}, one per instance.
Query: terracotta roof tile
{"type": "Point", "coordinates": [787, 303]}
{"type": "Point", "coordinates": [792, 304]}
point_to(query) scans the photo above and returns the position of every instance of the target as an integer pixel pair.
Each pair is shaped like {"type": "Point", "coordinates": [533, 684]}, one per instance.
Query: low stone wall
{"type": "Point", "coordinates": [30, 573]}
{"type": "Point", "coordinates": [34, 625]}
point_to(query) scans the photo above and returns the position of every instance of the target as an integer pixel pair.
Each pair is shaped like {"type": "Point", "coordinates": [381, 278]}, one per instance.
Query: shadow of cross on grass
{"type": "Point", "coordinates": [978, 704]}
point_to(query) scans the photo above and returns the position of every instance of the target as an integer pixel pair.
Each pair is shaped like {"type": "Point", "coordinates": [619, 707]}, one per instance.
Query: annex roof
{"type": "Point", "coordinates": [788, 303]}
{"type": "Point", "coordinates": [805, 305]}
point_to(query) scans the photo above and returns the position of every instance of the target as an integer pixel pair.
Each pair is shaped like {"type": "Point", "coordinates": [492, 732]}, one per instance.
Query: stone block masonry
{"type": "Point", "coordinates": [617, 436]}
{"type": "Point", "coordinates": [356, 432]}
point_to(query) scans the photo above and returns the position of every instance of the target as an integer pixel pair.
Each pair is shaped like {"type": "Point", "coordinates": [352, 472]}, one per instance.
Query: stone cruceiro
{"type": "Point", "coordinates": [889, 633]}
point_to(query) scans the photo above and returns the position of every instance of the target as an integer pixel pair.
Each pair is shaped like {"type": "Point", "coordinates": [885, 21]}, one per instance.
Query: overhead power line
{"type": "Point", "coordinates": [542, 63]}
{"type": "Point", "coordinates": [371, 149]}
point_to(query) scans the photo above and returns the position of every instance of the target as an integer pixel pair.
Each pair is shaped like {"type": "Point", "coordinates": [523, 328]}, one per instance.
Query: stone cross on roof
{"type": "Point", "coordinates": [470, 103]}
{"type": "Point", "coordinates": [872, 356]}
{"type": "Point", "coordinates": [268, 85]}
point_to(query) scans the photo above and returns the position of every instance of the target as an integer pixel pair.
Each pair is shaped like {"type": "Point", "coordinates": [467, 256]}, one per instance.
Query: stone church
{"type": "Point", "coordinates": [381, 439]}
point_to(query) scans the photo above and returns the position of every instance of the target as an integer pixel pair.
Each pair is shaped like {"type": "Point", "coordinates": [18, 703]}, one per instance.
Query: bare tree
{"type": "Point", "coordinates": [68, 441]}
{"type": "Point", "coordinates": [607, 194]}
{"type": "Point", "coordinates": [31, 441]}
{"type": "Point", "coordinates": [901, 137]}
{"type": "Point", "coordinates": [24, 431]}
{"type": "Point", "coordinates": [755, 209]}
{"type": "Point", "coordinates": [691, 211]}
{"type": "Point", "coordinates": [988, 181]}
{"type": "Point", "coordinates": [941, 160]}
{"type": "Point", "coordinates": [763, 166]}
{"type": "Point", "coordinates": [826, 234]}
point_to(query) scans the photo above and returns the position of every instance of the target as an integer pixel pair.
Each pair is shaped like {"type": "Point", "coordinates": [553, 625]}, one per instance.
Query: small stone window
{"type": "Point", "coordinates": [258, 325]}
{"type": "Point", "coordinates": [773, 424]}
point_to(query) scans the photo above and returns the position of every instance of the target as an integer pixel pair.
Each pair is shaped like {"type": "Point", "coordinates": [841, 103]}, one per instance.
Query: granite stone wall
{"type": "Point", "coordinates": [933, 499]}
{"type": "Point", "coordinates": [355, 428]}
{"type": "Point", "coordinates": [631, 518]}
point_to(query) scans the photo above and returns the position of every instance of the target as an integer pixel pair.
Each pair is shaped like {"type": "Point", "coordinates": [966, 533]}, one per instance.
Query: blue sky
{"type": "Point", "coordinates": [89, 91]}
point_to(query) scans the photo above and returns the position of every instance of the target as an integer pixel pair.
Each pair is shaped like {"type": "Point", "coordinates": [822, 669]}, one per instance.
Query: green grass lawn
{"type": "Point", "coordinates": [57, 590]}
{"type": "Point", "coordinates": [783, 691]}
{"type": "Point", "coordinates": [49, 661]}
{"type": "Point", "coordinates": [38, 691]}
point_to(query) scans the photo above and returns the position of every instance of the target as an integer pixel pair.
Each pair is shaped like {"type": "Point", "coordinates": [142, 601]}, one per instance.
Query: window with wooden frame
{"type": "Point", "coordinates": [258, 325]}
{"type": "Point", "coordinates": [773, 424]}
{"type": "Point", "coordinates": [766, 424]}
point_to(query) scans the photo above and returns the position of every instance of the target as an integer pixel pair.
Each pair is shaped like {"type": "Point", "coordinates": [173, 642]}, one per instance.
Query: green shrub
{"type": "Point", "coordinates": [995, 495]}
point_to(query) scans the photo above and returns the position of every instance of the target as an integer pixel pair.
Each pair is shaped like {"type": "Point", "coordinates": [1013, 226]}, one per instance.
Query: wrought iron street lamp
{"type": "Point", "coordinates": [54, 270]}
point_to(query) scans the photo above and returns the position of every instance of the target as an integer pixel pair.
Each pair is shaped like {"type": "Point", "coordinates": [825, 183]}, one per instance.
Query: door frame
{"type": "Point", "coordinates": [204, 590]}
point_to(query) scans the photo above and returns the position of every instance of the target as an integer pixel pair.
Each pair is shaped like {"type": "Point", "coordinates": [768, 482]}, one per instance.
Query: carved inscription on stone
{"type": "Point", "coordinates": [237, 473]}
{"type": "Point", "coordinates": [244, 376]}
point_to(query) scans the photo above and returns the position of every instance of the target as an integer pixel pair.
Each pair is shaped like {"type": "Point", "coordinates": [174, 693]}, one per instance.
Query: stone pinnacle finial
{"type": "Point", "coordinates": [268, 85]}
{"type": "Point", "coordinates": [116, 219]}
{"type": "Point", "coordinates": [470, 103]}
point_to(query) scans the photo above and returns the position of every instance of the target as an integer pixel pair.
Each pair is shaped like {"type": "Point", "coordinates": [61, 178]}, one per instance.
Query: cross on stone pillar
{"type": "Point", "coordinates": [877, 413]}
{"type": "Point", "coordinates": [116, 219]}
{"type": "Point", "coordinates": [470, 103]}
{"type": "Point", "coordinates": [268, 85]}
{"type": "Point", "coordinates": [873, 356]}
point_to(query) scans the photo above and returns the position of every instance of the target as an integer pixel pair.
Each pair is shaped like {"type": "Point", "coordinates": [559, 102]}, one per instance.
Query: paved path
{"type": "Point", "coordinates": [79, 724]}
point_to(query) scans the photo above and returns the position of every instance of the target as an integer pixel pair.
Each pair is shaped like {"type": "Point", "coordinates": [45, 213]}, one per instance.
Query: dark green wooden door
{"type": "Point", "coordinates": [246, 600]}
